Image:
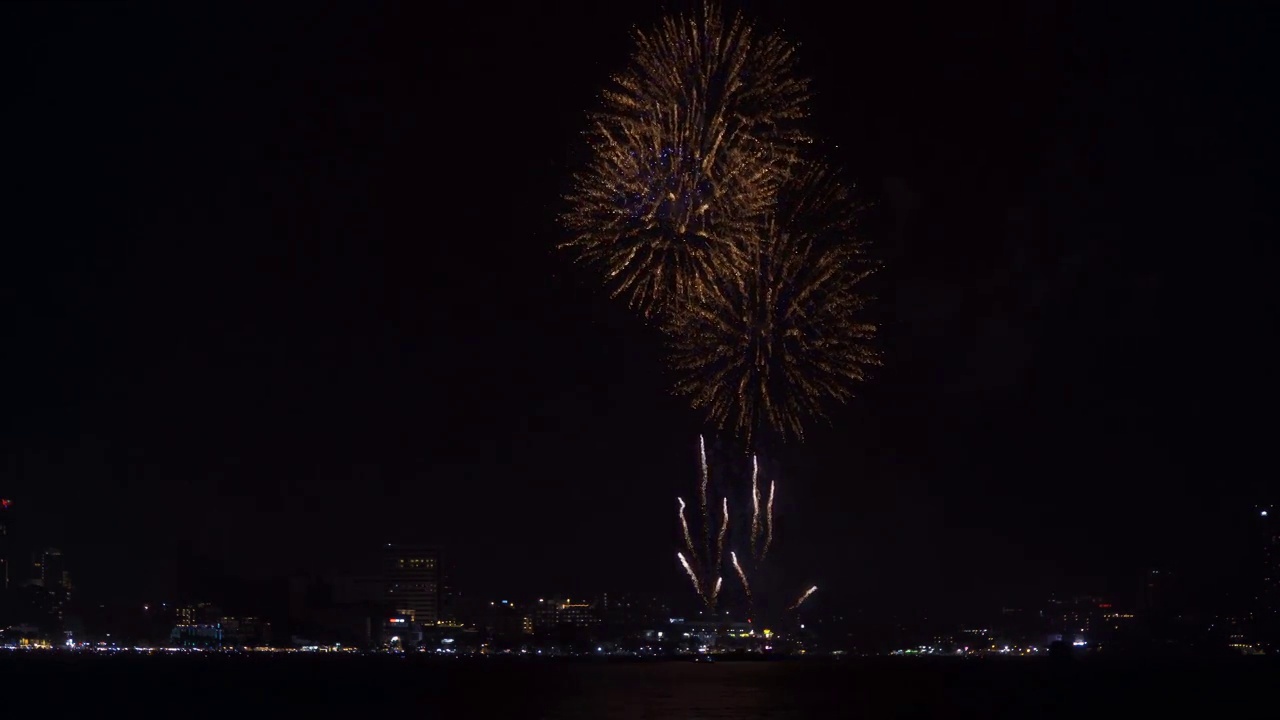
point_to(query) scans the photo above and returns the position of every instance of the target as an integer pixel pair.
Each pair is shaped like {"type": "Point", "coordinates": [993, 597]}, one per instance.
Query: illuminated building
{"type": "Point", "coordinates": [49, 572]}
{"type": "Point", "coordinates": [1268, 598]}
{"type": "Point", "coordinates": [204, 637]}
{"type": "Point", "coordinates": [450, 599]}
{"type": "Point", "coordinates": [1083, 619]}
{"type": "Point", "coordinates": [505, 619]}
{"type": "Point", "coordinates": [245, 631]}
{"type": "Point", "coordinates": [52, 573]}
{"type": "Point", "coordinates": [400, 632]}
{"type": "Point", "coordinates": [410, 580]}
{"type": "Point", "coordinates": [564, 611]}
{"type": "Point", "coordinates": [198, 614]}
{"type": "Point", "coordinates": [624, 613]}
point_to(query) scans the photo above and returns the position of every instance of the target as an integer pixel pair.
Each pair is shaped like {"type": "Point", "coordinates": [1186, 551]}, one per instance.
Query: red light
{"type": "Point", "coordinates": [6, 503]}
{"type": "Point", "coordinates": [1104, 605]}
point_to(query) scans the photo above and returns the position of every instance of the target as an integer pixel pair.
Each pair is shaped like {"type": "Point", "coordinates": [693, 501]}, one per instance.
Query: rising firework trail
{"type": "Point", "coordinates": [702, 467]}
{"type": "Point", "coordinates": [702, 498]}
{"type": "Point", "coordinates": [761, 536]}
{"type": "Point", "coordinates": [700, 208]}
{"type": "Point", "coordinates": [804, 597]}
{"type": "Point", "coordinates": [760, 550]}
{"type": "Point", "coordinates": [724, 530]}
{"type": "Point", "coordinates": [755, 504]}
{"type": "Point", "coordinates": [697, 587]}
{"type": "Point", "coordinates": [742, 575]}
{"type": "Point", "coordinates": [768, 520]}
{"type": "Point", "coordinates": [688, 537]}
{"type": "Point", "coordinates": [703, 569]}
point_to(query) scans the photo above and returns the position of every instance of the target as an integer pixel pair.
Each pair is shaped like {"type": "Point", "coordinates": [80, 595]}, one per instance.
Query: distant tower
{"type": "Point", "coordinates": [52, 570]}
{"type": "Point", "coordinates": [411, 581]}
{"type": "Point", "coordinates": [1153, 593]}
{"type": "Point", "coordinates": [53, 576]}
{"type": "Point", "coordinates": [1267, 604]}
{"type": "Point", "coordinates": [6, 526]}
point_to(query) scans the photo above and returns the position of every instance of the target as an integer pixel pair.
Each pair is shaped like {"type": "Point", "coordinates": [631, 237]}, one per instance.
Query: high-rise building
{"type": "Point", "coordinates": [49, 572]}
{"type": "Point", "coordinates": [1153, 593]}
{"type": "Point", "coordinates": [51, 569]}
{"type": "Point", "coordinates": [197, 614]}
{"type": "Point", "coordinates": [564, 611]}
{"type": "Point", "coordinates": [6, 522]}
{"type": "Point", "coordinates": [410, 580]}
{"type": "Point", "coordinates": [1268, 600]}
{"type": "Point", "coordinates": [48, 569]}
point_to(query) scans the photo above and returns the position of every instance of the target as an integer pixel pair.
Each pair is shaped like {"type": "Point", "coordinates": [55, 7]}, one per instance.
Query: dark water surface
{"type": "Point", "coordinates": [353, 686]}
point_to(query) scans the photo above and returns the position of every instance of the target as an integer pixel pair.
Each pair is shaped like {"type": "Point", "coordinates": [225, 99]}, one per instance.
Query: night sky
{"type": "Point", "coordinates": [279, 285]}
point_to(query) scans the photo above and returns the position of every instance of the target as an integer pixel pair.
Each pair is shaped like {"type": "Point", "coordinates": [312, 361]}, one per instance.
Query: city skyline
{"type": "Point", "coordinates": [273, 306]}
{"type": "Point", "coordinates": [416, 582]}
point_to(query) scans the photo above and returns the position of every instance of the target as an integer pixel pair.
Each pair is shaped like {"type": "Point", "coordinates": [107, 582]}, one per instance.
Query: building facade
{"type": "Point", "coordinates": [411, 582]}
{"type": "Point", "coordinates": [558, 611]}
{"type": "Point", "coordinates": [1267, 603]}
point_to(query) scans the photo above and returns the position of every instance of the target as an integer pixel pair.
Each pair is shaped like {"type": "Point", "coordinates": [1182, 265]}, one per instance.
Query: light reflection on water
{"type": "Point", "coordinates": [679, 690]}
{"type": "Point", "coordinates": [364, 686]}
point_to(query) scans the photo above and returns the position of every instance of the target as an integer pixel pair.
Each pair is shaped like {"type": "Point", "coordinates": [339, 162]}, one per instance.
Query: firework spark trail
{"type": "Point", "coordinates": [700, 569]}
{"type": "Point", "coordinates": [688, 537]}
{"type": "Point", "coordinates": [706, 514]}
{"type": "Point", "coordinates": [724, 530]}
{"type": "Point", "coordinates": [702, 458]}
{"type": "Point", "coordinates": [742, 575]}
{"type": "Point", "coordinates": [697, 587]}
{"type": "Point", "coordinates": [768, 519]}
{"type": "Point", "coordinates": [755, 505]}
{"type": "Point", "coordinates": [804, 597]}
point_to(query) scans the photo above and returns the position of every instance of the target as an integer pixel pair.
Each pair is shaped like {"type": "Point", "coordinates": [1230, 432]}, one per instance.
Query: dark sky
{"type": "Point", "coordinates": [280, 286]}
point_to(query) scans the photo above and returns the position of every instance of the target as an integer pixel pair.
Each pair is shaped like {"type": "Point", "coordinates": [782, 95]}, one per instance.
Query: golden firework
{"type": "Point", "coordinates": [769, 347]}
{"type": "Point", "coordinates": [687, 152]}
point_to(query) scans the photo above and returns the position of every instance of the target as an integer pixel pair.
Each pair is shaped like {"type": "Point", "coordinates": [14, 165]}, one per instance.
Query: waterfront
{"type": "Point", "coordinates": [569, 690]}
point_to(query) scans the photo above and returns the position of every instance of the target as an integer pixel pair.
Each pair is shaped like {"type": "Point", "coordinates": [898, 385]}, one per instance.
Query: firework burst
{"type": "Point", "coordinates": [768, 348]}
{"type": "Point", "coordinates": [687, 153]}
